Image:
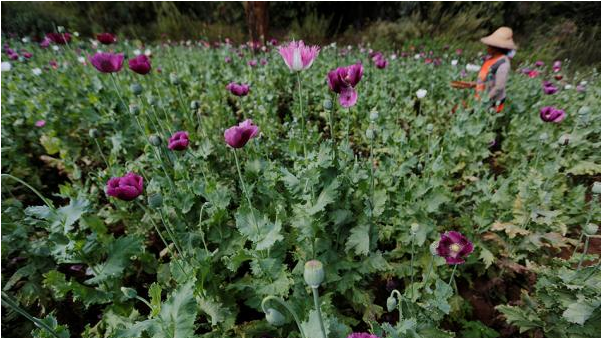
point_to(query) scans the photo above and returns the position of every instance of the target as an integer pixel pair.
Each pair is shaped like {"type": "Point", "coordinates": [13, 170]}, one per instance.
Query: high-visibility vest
{"type": "Point", "coordinates": [487, 74]}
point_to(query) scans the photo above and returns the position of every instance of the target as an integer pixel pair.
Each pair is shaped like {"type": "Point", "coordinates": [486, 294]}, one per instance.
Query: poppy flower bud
{"type": "Point", "coordinates": [174, 79]}
{"type": "Point", "coordinates": [155, 201]}
{"type": "Point", "coordinates": [370, 133]}
{"type": "Point", "coordinates": [129, 292]}
{"type": "Point", "coordinates": [414, 228]}
{"type": "Point", "coordinates": [327, 104]}
{"type": "Point", "coordinates": [419, 167]}
{"type": "Point", "coordinates": [313, 273]}
{"type": "Point", "coordinates": [155, 140]}
{"type": "Point", "coordinates": [194, 105]}
{"type": "Point", "coordinates": [373, 116]}
{"type": "Point", "coordinates": [596, 188]}
{"type": "Point", "coordinates": [94, 133]}
{"type": "Point", "coordinates": [274, 317]}
{"type": "Point", "coordinates": [429, 127]}
{"type": "Point", "coordinates": [134, 109]}
{"type": "Point", "coordinates": [591, 229]}
{"type": "Point", "coordinates": [391, 303]}
{"type": "Point", "coordinates": [136, 89]}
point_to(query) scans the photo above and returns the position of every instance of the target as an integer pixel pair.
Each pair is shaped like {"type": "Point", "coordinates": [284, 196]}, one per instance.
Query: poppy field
{"type": "Point", "coordinates": [281, 189]}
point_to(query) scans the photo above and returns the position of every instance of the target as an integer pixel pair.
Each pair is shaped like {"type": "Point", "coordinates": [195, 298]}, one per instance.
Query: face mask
{"type": "Point", "coordinates": [511, 53]}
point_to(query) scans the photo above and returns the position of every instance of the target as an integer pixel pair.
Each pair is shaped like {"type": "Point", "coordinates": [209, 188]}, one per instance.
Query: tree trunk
{"type": "Point", "coordinates": [257, 19]}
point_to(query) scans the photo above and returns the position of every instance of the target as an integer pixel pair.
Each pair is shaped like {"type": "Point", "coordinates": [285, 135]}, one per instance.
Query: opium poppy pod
{"type": "Point", "coordinates": [238, 136]}
{"type": "Point", "coordinates": [178, 141]}
{"type": "Point", "coordinates": [125, 188]}
{"type": "Point", "coordinates": [107, 62]}
{"type": "Point", "coordinates": [454, 247]}
{"type": "Point", "coordinates": [140, 64]}
{"type": "Point", "coordinates": [106, 38]}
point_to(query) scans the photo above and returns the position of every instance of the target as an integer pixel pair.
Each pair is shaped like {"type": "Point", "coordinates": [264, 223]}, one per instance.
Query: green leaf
{"type": "Point", "coordinates": [179, 312]}
{"type": "Point", "coordinates": [120, 252]}
{"type": "Point", "coordinates": [524, 319]}
{"type": "Point", "coordinates": [578, 313]}
{"type": "Point", "coordinates": [359, 240]}
{"type": "Point", "coordinates": [51, 144]}
{"type": "Point", "coordinates": [213, 309]}
{"type": "Point", "coordinates": [154, 293]}
{"type": "Point", "coordinates": [70, 214]}
{"type": "Point", "coordinates": [258, 228]}
{"type": "Point", "coordinates": [311, 327]}
{"type": "Point", "coordinates": [61, 330]}
{"type": "Point", "coordinates": [380, 199]}
{"type": "Point", "coordinates": [327, 196]}
{"type": "Point", "coordinates": [585, 168]}
{"type": "Point", "coordinates": [486, 256]}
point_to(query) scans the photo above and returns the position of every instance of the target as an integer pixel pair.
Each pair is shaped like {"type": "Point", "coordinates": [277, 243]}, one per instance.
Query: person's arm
{"type": "Point", "coordinates": [501, 76]}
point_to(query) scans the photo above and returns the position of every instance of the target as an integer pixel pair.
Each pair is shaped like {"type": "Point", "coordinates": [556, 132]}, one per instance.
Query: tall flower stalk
{"type": "Point", "coordinates": [39, 323]}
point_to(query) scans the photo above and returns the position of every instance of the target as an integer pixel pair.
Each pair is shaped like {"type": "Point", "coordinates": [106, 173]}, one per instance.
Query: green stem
{"type": "Point", "coordinates": [317, 305]}
{"type": "Point", "coordinates": [399, 303]}
{"type": "Point", "coordinates": [584, 252]}
{"type": "Point", "coordinates": [428, 274]}
{"type": "Point", "coordinates": [452, 275]}
{"type": "Point", "coordinates": [287, 307]}
{"type": "Point", "coordinates": [13, 305]}
{"type": "Point", "coordinates": [101, 153]}
{"type": "Point", "coordinates": [171, 184]}
{"type": "Point", "coordinates": [302, 118]}
{"type": "Point", "coordinates": [201, 227]}
{"type": "Point", "coordinates": [35, 191]}
{"type": "Point", "coordinates": [171, 233]}
{"type": "Point", "coordinates": [244, 189]}
{"type": "Point", "coordinates": [412, 269]}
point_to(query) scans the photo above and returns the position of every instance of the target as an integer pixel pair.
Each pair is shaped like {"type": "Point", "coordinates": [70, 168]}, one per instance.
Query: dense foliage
{"type": "Point", "coordinates": [202, 231]}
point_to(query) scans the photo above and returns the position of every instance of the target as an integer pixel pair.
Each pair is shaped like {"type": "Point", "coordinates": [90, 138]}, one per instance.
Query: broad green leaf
{"type": "Point", "coordinates": [178, 313]}
{"type": "Point", "coordinates": [486, 256]}
{"type": "Point", "coordinates": [258, 228]}
{"type": "Point", "coordinates": [578, 313]}
{"type": "Point", "coordinates": [327, 196]}
{"type": "Point", "coordinates": [154, 293]}
{"type": "Point", "coordinates": [119, 252]}
{"type": "Point", "coordinates": [359, 240]}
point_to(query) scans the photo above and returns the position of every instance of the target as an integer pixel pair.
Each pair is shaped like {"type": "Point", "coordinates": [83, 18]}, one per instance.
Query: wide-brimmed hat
{"type": "Point", "coordinates": [501, 38]}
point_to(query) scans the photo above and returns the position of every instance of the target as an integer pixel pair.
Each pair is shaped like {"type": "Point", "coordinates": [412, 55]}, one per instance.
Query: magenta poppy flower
{"type": "Point", "coordinates": [178, 141]}
{"type": "Point", "coordinates": [45, 43]}
{"type": "Point", "coordinates": [551, 114]}
{"type": "Point", "coordinates": [227, 59]}
{"type": "Point", "coordinates": [454, 247]}
{"type": "Point", "coordinates": [125, 188]}
{"type": "Point", "coordinates": [106, 38]}
{"type": "Point", "coordinates": [53, 64]}
{"type": "Point", "coordinates": [140, 64]}
{"type": "Point", "coordinates": [298, 56]}
{"type": "Point", "coordinates": [13, 56]}
{"type": "Point", "coordinates": [558, 77]}
{"type": "Point", "coordinates": [252, 63]}
{"type": "Point", "coordinates": [458, 52]}
{"type": "Point", "coordinates": [27, 55]}
{"type": "Point", "coordinates": [549, 89]}
{"type": "Point", "coordinates": [40, 123]}
{"type": "Point", "coordinates": [9, 51]}
{"type": "Point", "coordinates": [107, 62]}
{"type": "Point", "coordinates": [533, 74]}
{"type": "Point", "coordinates": [381, 63]}
{"type": "Point", "coordinates": [362, 335]}
{"type": "Point", "coordinates": [539, 64]}
{"type": "Point", "coordinates": [238, 89]}
{"type": "Point", "coordinates": [238, 136]}
{"type": "Point", "coordinates": [263, 62]}
{"type": "Point", "coordinates": [58, 38]}
{"type": "Point", "coordinates": [556, 66]}
{"type": "Point", "coordinates": [343, 81]}
{"type": "Point", "coordinates": [580, 88]}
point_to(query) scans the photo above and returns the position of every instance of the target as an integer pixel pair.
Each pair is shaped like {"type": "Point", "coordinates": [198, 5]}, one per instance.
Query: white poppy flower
{"type": "Point", "coordinates": [454, 62]}
{"type": "Point", "coordinates": [472, 68]}
{"type": "Point", "coordinates": [6, 66]}
{"type": "Point", "coordinates": [36, 71]}
{"type": "Point", "coordinates": [421, 93]}
{"type": "Point", "coordinates": [137, 52]}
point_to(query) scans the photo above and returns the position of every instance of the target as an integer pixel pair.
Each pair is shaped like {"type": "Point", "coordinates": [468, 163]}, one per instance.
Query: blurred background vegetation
{"type": "Point", "coordinates": [546, 30]}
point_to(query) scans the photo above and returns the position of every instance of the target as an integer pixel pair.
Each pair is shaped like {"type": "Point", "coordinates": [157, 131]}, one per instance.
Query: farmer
{"type": "Point", "coordinates": [491, 81]}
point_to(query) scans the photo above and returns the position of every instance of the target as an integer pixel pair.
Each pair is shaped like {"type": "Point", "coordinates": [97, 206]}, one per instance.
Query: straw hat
{"type": "Point", "coordinates": [501, 38]}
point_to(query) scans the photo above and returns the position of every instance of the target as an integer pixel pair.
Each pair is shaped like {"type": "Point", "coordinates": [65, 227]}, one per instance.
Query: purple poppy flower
{"type": "Point", "coordinates": [263, 62]}
{"type": "Point", "coordinates": [9, 51]}
{"type": "Point", "coordinates": [550, 89]}
{"type": "Point", "coordinates": [362, 335]}
{"type": "Point", "coordinates": [227, 59]}
{"type": "Point", "coordinates": [343, 81]}
{"type": "Point", "coordinates": [551, 114]}
{"type": "Point", "coordinates": [45, 43]}
{"type": "Point", "coordinates": [107, 62]}
{"type": "Point", "coordinates": [273, 42]}
{"type": "Point", "coordinates": [13, 56]}
{"type": "Point", "coordinates": [140, 64]}
{"type": "Point", "coordinates": [381, 63]}
{"type": "Point", "coordinates": [40, 123]}
{"type": "Point", "coordinates": [580, 88]}
{"type": "Point", "coordinates": [106, 38]}
{"type": "Point", "coordinates": [238, 89]}
{"type": "Point", "coordinates": [125, 188]}
{"type": "Point", "coordinates": [238, 136]}
{"type": "Point", "coordinates": [178, 141]}
{"type": "Point", "coordinates": [252, 63]}
{"type": "Point", "coordinates": [27, 55]}
{"type": "Point", "coordinates": [58, 38]}
{"type": "Point", "coordinates": [454, 247]}
{"type": "Point", "coordinates": [539, 63]}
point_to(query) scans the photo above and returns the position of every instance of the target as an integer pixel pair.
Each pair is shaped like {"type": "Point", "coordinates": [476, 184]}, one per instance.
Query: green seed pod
{"type": "Point", "coordinates": [327, 104]}
{"type": "Point", "coordinates": [373, 116]}
{"type": "Point", "coordinates": [313, 273]}
{"type": "Point", "coordinates": [391, 303]}
{"type": "Point", "coordinates": [134, 109]}
{"type": "Point", "coordinates": [194, 105]}
{"type": "Point", "coordinates": [155, 140]}
{"type": "Point", "coordinates": [564, 140]}
{"type": "Point", "coordinates": [151, 100]}
{"type": "Point", "coordinates": [591, 229]}
{"type": "Point", "coordinates": [274, 317]}
{"type": "Point", "coordinates": [155, 201]}
{"type": "Point", "coordinates": [433, 248]}
{"type": "Point", "coordinates": [174, 79]}
{"type": "Point", "coordinates": [136, 89]}
{"type": "Point", "coordinates": [596, 188]}
{"type": "Point", "coordinates": [419, 167]}
{"type": "Point", "coordinates": [370, 134]}
{"type": "Point", "coordinates": [429, 127]}
{"type": "Point", "coordinates": [414, 228]}
{"type": "Point", "coordinates": [94, 133]}
{"type": "Point", "coordinates": [129, 292]}
{"type": "Point", "coordinates": [543, 137]}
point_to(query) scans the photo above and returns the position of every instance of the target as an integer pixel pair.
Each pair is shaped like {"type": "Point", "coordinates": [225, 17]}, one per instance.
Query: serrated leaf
{"type": "Point", "coordinates": [585, 168]}
{"type": "Point", "coordinates": [578, 313]}
{"type": "Point", "coordinates": [258, 228]}
{"type": "Point", "coordinates": [120, 252]}
{"type": "Point", "coordinates": [486, 256]}
{"type": "Point", "coordinates": [525, 320]}
{"type": "Point", "coordinates": [61, 330]}
{"type": "Point", "coordinates": [327, 196]}
{"type": "Point", "coordinates": [510, 229]}
{"type": "Point", "coordinates": [154, 293]}
{"type": "Point", "coordinates": [179, 312]}
{"type": "Point", "coordinates": [70, 214]}
{"type": "Point", "coordinates": [359, 240]}
{"type": "Point", "coordinates": [213, 309]}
